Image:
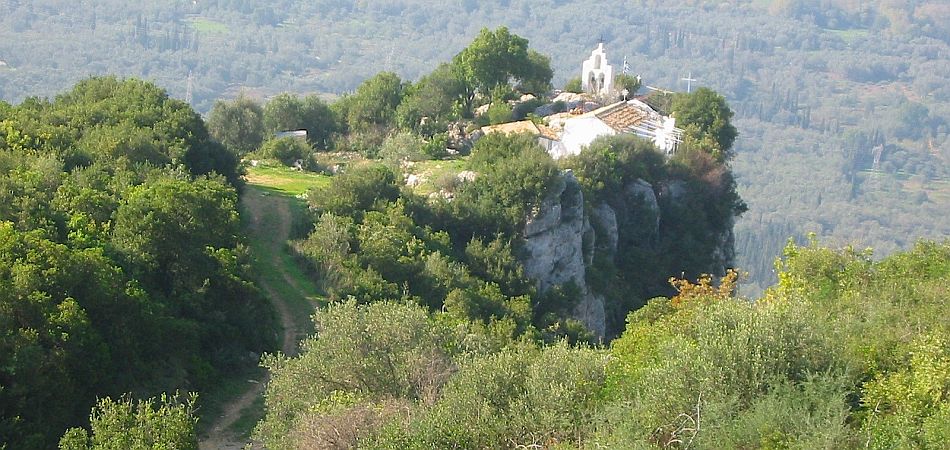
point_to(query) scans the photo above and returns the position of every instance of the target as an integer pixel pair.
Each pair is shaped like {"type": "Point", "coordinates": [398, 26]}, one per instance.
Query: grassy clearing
{"type": "Point", "coordinates": [203, 25]}
{"type": "Point", "coordinates": [850, 35]}
{"type": "Point", "coordinates": [283, 180]}
{"type": "Point", "coordinates": [293, 284]}
{"type": "Point", "coordinates": [432, 174]}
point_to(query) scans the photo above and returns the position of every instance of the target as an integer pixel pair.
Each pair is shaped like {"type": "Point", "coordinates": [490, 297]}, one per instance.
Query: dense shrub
{"type": "Point", "coordinates": [287, 150]}
{"type": "Point", "coordinates": [356, 190]}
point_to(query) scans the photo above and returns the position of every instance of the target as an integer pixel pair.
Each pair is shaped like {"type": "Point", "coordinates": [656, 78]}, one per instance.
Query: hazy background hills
{"type": "Point", "coordinates": [842, 106]}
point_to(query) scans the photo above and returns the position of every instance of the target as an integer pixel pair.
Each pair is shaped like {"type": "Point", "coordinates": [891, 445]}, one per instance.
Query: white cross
{"type": "Point", "coordinates": [689, 82]}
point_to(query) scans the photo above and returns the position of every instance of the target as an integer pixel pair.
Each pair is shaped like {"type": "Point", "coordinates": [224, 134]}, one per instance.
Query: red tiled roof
{"type": "Point", "coordinates": [621, 116]}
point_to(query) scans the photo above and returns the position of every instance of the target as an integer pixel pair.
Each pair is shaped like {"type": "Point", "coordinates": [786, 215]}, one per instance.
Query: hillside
{"type": "Point", "coordinates": [126, 265]}
{"type": "Point", "coordinates": [842, 353]}
{"type": "Point", "coordinates": [816, 89]}
{"type": "Point", "coordinates": [483, 289]}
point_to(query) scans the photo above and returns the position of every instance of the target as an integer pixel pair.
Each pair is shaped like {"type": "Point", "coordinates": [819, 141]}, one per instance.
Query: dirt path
{"type": "Point", "coordinates": [270, 222]}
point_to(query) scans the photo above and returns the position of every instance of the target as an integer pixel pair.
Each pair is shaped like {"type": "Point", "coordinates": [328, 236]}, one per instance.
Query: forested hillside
{"type": "Point", "coordinates": [123, 269]}
{"type": "Point", "coordinates": [122, 262]}
{"type": "Point", "coordinates": [841, 105]}
{"type": "Point", "coordinates": [127, 273]}
{"type": "Point", "coordinates": [484, 239]}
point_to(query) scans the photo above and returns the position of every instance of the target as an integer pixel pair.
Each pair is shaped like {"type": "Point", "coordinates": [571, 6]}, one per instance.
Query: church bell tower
{"type": "Point", "coordinates": [597, 76]}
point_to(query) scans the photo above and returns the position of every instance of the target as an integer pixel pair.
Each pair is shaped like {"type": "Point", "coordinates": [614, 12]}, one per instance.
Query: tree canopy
{"type": "Point", "coordinates": [237, 124]}
{"type": "Point", "coordinates": [705, 113]}
{"type": "Point", "coordinates": [496, 58]}
{"type": "Point", "coordinates": [122, 266]}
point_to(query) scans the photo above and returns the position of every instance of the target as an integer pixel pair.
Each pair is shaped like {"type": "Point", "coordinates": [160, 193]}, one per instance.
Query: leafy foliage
{"type": "Point", "coordinates": [137, 425]}
{"type": "Point", "coordinates": [705, 113]}
{"type": "Point", "coordinates": [514, 176]}
{"type": "Point", "coordinates": [287, 112]}
{"type": "Point", "coordinates": [626, 82]}
{"type": "Point", "coordinates": [287, 150]}
{"type": "Point", "coordinates": [496, 57]}
{"type": "Point", "coordinates": [122, 263]}
{"type": "Point", "coordinates": [357, 189]}
{"type": "Point", "coordinates": [238, 124]}
{"type": "Point", "coordinates": [373, 104]}
{"type": "Point", "coordinates": [844, 352]}
{"type": "Point", "coordinates": [836, 69]}
{"type": "Point", "coordinates": [369, 354]}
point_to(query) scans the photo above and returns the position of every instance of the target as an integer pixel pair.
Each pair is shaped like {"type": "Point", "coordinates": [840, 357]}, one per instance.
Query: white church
{"type": "Point", "coordinates": [569, 133]}
{"type": "Point", "coordinates": [627, 116]}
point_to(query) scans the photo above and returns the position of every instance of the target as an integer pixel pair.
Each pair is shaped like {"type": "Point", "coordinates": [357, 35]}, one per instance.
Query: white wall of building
{"type": "Point", "coordinates": [580, 132]}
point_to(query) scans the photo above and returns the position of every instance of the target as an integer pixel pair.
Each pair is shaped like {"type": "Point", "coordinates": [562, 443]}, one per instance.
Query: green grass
{"type": "Point", "coordinates": [302, 295]}
{"type": "Point", "coordinates": [203, 25]}
{"type": "Point", "coordinates": [850, 35]}
{"type": "Point", "coordinates": [302, 305]}
{"type": "Point", "coordinates": [250, 416]}
{"type": "Point", "coordinates": [211, 401]}
{"type": "Point", "coordinates": [284, 180]}
{"type": "Point", "coordinates": [432, 172]}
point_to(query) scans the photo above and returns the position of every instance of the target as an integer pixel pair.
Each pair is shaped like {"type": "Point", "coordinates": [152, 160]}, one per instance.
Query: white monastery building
{"type": "Point", "coordinates": [568, 133]}
{"type": "Point", "coordinates": [633, 117]}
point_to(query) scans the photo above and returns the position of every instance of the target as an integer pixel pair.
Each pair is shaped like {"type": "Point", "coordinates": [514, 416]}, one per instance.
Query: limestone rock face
{"type": "Point", "coordinates": [643, 190]}
{"type": "Point", "coordinates": [605, 219]}
{"type": "Point", "coordinates": [559, 241]}
{"type": "Point", "coordinates": [561, 237]}
{"type": "Point", "coordinates": [554, 237]}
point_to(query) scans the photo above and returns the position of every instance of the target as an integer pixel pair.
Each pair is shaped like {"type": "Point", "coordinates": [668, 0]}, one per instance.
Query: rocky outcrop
{"type": "Point", "coordinates": [560, 239]}
{"type": "Point", "coordinates": [562, 236]}
{"type": "Point", "coordinates": [559, 243]}
{"type": "Point", "coordinates": [554, 237]}
{"type": "Point", "coordinates": [604, 219]}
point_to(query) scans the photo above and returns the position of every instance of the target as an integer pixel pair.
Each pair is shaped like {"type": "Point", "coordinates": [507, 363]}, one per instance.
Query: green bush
{"type": "Point", "coordinates": [437, 146]}
{"type": "Point", "coordinates": [514, 176]}
{"type": "Point", "coordinates": [358, 189]}
{"type": "Point", "coordinates": [716, 358]}
{"type": "Point", "coordinates": [359, 354]}
{"type": "Point", "coordinates": [574, 85]}
{"type": "Point", "coordinates": [137, 426]}
{"type": "Point", "coordinates": [402, 146]}
{"type": "Point", "coordinates": [499, 112]}
{"type": "Point", "coordinates": [609, 163]}
{"type": "Point", "coordinates": [287, 150]}
{"type": "Point", "coordinates": [519, 396]}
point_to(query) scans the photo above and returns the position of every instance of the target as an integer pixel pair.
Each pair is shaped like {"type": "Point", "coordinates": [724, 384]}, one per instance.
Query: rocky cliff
{"type": "Point", "coordinates": [561, 238]}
